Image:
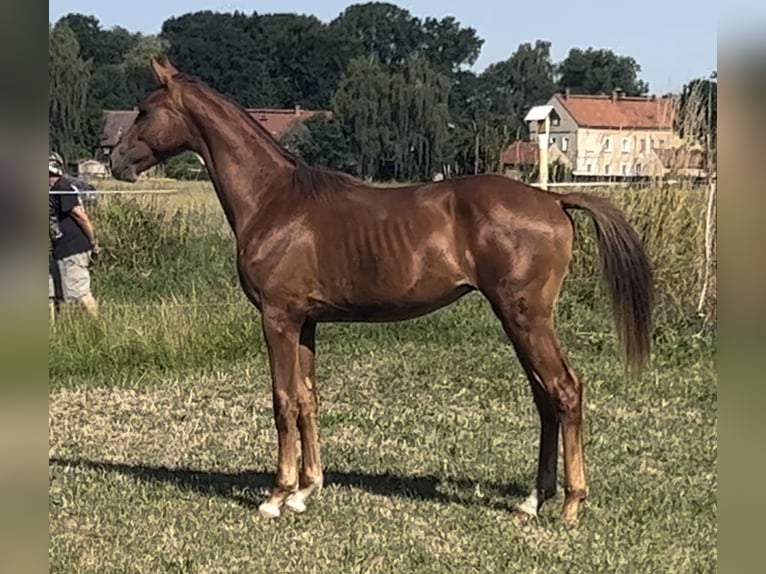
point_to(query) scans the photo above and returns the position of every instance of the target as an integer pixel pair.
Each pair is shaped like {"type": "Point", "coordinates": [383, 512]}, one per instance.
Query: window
{"type": "Point", "coordinates": [638, 169]}
{"type": "Point", "coordinates": [624, 168]}
{"type": "Point", "coordinates": [642, 145]}
{"type": "Point", "coordinates": [589, 167]}
{"type": "Point", "coordinates": [625, 144]}
{"type": "Point", "coordinates": [564, 144]}
{"type": "Point", "coordinates": [607, 144]}
{"type": "Point", "coordinates": [555, 121]}
{"type": "Point", "coordinates": [606, 169]}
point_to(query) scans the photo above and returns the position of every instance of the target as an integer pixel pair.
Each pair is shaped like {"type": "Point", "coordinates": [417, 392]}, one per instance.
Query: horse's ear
{"type": "Point", "coordinates": [163, 72]}
{"type": "Point", "coordinates": [169, 66]}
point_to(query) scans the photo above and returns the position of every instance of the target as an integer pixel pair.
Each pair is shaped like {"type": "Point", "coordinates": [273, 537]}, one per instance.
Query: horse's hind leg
{"type": "Point", "coordinates": [547, 460]}
{"type": "Point", "coordinates": [558, 395]}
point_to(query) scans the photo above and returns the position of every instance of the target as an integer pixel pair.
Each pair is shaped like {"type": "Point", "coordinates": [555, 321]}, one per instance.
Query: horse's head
{"type": "Point", "coordinates": [161, 129]}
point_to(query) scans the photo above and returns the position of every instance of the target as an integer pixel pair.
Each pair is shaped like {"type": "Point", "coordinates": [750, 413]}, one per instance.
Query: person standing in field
{"type": "Point", "coordinates": [73, 243]}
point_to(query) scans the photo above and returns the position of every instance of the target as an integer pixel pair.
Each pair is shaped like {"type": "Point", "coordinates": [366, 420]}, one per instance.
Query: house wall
{"type": "Point", "coordinates": [564, 135]}
{"type": "Point", "coordinates": [612, 152]}
{"type": "Point", "coordinates": [92, 168]}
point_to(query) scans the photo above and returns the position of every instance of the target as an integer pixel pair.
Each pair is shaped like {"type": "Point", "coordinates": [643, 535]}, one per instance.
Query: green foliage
{"type": "Point", "coordinates": [68, 77]}
{"type": "Point", "coordinates": [396, 122]}
{"type": "Point", "coordinates": [600, 71]}
{"type": "Point", "coordinates": [226, 50]}
{"type": "Point", "coordinates": [320, 141]}
{"type": "Point", "coordinates": [697, 115]}
{"type": "Point", "coordinates": [362, 102]}
{"type": "Point", "coordinates": [185, 166]}
{"type": "Point", "coordinates": [304, 71]}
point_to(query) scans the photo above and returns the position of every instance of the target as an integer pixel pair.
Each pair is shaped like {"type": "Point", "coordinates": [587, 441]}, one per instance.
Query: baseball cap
{"type": "Point", "coordinates": [54, 164]}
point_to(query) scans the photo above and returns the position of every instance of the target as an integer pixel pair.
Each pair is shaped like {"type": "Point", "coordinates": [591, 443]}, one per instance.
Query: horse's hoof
{"type": "Point", "coordinates": [296, 503]}
{"type": "Point", "coordinates": [569, 518]}
{"type": "Point", "coordinates": [269, 510]}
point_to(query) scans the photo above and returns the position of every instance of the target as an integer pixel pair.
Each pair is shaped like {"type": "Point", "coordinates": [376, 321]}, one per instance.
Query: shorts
{"type": "Point", "coordinates": [73, 277]}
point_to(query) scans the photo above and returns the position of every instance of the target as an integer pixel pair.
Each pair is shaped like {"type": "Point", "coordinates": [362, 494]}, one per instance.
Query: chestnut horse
{"type": "Point", "coordinates": [315, 245]}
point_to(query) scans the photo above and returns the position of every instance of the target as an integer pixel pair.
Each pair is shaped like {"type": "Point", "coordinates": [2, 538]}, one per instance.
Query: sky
{"type": "Point", "coordinates": [672, 40]}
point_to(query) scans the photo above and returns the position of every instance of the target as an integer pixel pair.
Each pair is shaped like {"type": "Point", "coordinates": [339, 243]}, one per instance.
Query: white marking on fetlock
{"type": "Point", "coordinates": [269, 510]}
{"type": "Point", "coordinates": [530, 504]}
{"type": "Point", "coordinates": [296, 502]}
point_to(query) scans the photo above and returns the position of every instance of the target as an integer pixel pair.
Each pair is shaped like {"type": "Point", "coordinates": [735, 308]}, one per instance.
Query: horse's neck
{"type": "Point", "coordinates": [242, 163]}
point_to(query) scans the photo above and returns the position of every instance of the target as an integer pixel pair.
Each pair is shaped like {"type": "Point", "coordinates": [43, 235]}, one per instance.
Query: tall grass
{"type": "Point", "coordinates": [171, 301]}
{"type": "Point", "coordinates": [671, 222]}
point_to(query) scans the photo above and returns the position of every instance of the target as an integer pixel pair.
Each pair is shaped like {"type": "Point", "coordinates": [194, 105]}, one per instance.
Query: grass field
{"type": "Point", "coordinates": [162, 442]}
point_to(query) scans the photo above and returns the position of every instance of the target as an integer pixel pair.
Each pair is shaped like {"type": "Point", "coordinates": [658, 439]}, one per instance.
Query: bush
{"type": "Point", "coordinates": [186, 166]}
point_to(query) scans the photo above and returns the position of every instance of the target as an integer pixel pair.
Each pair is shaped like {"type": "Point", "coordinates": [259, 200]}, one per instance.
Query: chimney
{"type": "Point", "coordinates": [566, 94]}
{"type": "Point", "coordinates": [614, 95]}
{"type": "Point", "coordinates": [297, 110]}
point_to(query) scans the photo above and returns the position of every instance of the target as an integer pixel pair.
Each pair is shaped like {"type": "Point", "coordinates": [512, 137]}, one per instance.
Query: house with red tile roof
{"type": "Point", "coordinates": [615, 135]}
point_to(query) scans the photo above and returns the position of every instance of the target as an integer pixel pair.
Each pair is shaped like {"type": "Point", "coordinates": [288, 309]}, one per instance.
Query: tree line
{"type": "Point", "coordinates": [404, 102]}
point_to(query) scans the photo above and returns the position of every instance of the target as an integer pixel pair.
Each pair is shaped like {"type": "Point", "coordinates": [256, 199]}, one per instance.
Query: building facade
{"type": "Point", "coordinates": [611, 136]}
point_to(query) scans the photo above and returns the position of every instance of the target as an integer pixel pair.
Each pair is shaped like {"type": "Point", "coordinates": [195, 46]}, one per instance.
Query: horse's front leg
{"type": "Point", "coordinates": [282, 333]}
{"type": "Point", "coordinates": [311, 476]}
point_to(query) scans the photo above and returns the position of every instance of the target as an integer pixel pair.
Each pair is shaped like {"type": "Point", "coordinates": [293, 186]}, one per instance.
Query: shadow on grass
{"type": "Point", "coordinates": [240, 486]}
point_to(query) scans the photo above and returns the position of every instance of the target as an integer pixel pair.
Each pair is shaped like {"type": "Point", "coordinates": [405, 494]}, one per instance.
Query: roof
{"type": "Point", "coordinates": [277, 121]}
{"type": "Point", "coordinates": [538, 113]}
{"type": "Point", "coordinates": [619, 112]}
{"type": "Point", "coordinates": [115, 123]}
{"type": "Point", "coordinates": [521, 153]}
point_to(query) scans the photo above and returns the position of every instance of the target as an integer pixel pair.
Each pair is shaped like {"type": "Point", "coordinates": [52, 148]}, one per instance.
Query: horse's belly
{"type": "Point", "coordinates": [381, 308]}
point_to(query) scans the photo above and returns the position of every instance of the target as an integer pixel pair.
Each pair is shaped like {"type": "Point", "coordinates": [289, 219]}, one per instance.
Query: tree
{"type": "Point", "coordinates": [419, 118]}
{"type": "Point", "coordinates": [697, 115]}
{"type": "Point", "coordinates": [600, 71]}
{"type": "Point", "coordinates": [87, 30]}
{"type": "Point", "coordinates": [392, 34]}
{"type": "Point", "coordinates": [448, 46]}
{"type": "Point", "coordinates": [320, 142]}
{"type": "Point", "coordinates": [305, 58]}
{"type": "Point", "coordinates": [524, 80]}
{"type": "Point", "coordinates": [227, 51]}
{"type": "Point", "coordinates": [362, 103]}
{"type": "Point", "coordinates": [68, 77]}
{"type": "Point", "coordinates": [380, 30]}
{"type": "Point", "coordinates": [98, 45]}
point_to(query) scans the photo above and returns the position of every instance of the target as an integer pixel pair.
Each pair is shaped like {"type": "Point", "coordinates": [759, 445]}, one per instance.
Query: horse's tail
{"type": "Point", "coordinates": [627, 274]}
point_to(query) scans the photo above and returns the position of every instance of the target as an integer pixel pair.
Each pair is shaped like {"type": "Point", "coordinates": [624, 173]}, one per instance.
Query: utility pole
{"type": "Point", "coordinates": [542, 141]}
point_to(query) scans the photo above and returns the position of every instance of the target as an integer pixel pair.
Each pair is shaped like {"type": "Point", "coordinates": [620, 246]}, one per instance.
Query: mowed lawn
{"type": "Point", "coordinates": [428, 441]}
{"type": "Point", "coordinates": [162, 441]}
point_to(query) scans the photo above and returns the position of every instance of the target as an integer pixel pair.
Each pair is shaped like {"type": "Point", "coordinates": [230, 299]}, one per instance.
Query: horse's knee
{"type": "Point", "coordinates": [286, 409]}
